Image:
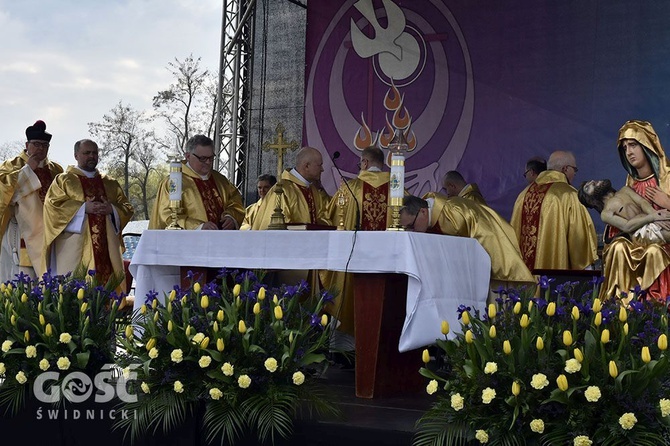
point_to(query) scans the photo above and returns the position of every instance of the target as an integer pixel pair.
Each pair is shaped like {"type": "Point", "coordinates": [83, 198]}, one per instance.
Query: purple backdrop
{"type": "Point", "coordinates": [481, 86]}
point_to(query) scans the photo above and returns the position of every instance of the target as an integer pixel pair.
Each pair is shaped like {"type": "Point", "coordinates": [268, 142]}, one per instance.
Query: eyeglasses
{"type": "Point", "coordinates": [573, 168]}
{"type": "Point", "coordinates": [526, 172]}
{"type": "Point", "coordinates": [40, 144]}
{"type": "Point", "coordinates": [204, 159]}
{"type": "Point", "coordinates": [410, 227]}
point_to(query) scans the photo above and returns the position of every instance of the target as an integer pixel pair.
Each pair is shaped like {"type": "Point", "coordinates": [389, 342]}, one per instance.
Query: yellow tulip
{"type": "Point", "coordinates": [539, 343]}
{"type": "Point", "coordinates": [196, 287]}
{"type": "Point", "coordinates": [26, 336]}
{"type": "Point", "coordinates": [492, 332]}
{"type": "Point", "coordinates": [257, 308]}
{"type": "Point", "coordinates": [129, 331]}
{"type": "Point", "coordinates": [605, 336]}
{"type": "Point", "coordinates": [623, 314]}
{"type": "Point", "coordinates": [469, 338]}
{"type": "Point", "coordinates": [324, 319]}
{"type": "Point", "coordinates": [215, 327]}
{"type": "Point", "coordinates": [525, 321]}
{"type": "Point", "coordinates": [24, 298]}
{"type": "Point", "coordinates": [42, 320]}
{"type": "Point", "coordinates": [237, 289]}
{"type": "Point", "coordinates": [183, 300]}
{"type": "Point", "coordinates": [204, 301]}
{"type": "Point", "coordinates": [492, 311]}
{"type": "Point", "coordinates": [598, 319]}
{"type": "Point", "coordinates": [12, 320]}
{"type": "Point", "coordinates": [663, 342]}
{"type": "Point", "coordinates": [48, 330]}
{"type": "Point", "coordinates": [188, 330]}
{"type": "Point", "coordinates": [261, 293]}
{"type": "Point", "coordinates": [156, 314]}
{"type": "Point", "coordinates": [614, 371]}
{"type": "Point", "coordinates": [551, 309]}
{"type": "Point", "coordinates": [530, 305]}
{"type": "Point", "coordinates": [445, 328]}
{"type": "Point", "coordinates": [238, 301]}
{"type": "Point", "coordinates": [465, 317]}
{"type": "Point", "coordinates": [84, 307]}
{"type": "Point", "coordinates": [170, 326]}
{"type": "Point", "coordinates": [562, 382]}
{"type": "Point", "coordinates": [517, 308]}
{"type": "Point", "coordinates": [279, 314]}
{"type": "Point", "coordinates": [567, 338]}
{"type": "Point", "coordinates": [143, 309]}
{"type": "Point", "coordinates": [172, 296]}
{"type": "Point", "coordinates": [80, 293]}
{"type": "Point", "coordinates": [169, 307]}
{"type": "Point", "coordinates": [516, 388]}
{"type": "Point", "coordinates": [219, 316]}
{"type": "Point", "coordinates": [275, 299]}
{"type": "Point", "coordinates": [625, 328]}
{"type": "Point", "coordinates": [219, 344]}
{"type": "Point", "coordinates": [646, 356]}
{"type": "Point", "coordinates": [242, 327]}
{"type": "Point", "coordinates": [579, 356]}
{"type": "Point", "coordinates": [597, 305]}
{"type": "Point", "coordinates": [204, 343]}
{"type": "Point", "coordinates": [151, 344]}
{"type": "Point", "coordinates": [154, 304]}
{"type": "Point", "coordinates": [507, 347]}
{"type": "Point", "coordinates": [425, 356]}
{"type": "Point", "coordinates": [575, 313]}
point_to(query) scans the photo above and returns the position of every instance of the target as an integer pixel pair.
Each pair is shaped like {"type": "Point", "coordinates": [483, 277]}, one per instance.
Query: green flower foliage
{"type": "Point", "coordinates": [560, 369]}
{"type": "Point", "coordinates": [240, 356]}
{"type": "Point", "coordinates": [63, 324]}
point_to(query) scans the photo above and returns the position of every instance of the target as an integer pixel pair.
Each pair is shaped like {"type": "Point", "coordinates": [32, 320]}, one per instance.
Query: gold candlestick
{"type": "Point", "coordinates": [398, 147]}
{"type": "Point", "coordinates": [341, 203]}
{"type": "Point", "coordinates": [277, 221]}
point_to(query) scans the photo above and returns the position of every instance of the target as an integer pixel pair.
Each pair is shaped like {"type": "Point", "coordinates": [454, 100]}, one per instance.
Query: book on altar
{"type": "Point", "coordinates": [309, 227]}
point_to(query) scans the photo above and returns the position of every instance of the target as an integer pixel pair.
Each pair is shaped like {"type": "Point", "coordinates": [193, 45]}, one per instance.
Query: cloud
{"type": "Point", "coordinates": [70, 62]}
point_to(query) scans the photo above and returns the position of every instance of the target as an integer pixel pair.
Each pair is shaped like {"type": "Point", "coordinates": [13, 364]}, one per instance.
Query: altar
{"type": "Point", "coordinates": [442, 271]}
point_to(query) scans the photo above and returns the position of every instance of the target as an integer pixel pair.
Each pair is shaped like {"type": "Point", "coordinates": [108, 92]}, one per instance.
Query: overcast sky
{"type": "Point", "coordinates": [68, 62]}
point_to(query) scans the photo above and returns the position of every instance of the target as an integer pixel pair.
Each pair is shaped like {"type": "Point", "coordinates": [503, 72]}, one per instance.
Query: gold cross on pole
{"type": "Point", "coordinates": [280, 146]}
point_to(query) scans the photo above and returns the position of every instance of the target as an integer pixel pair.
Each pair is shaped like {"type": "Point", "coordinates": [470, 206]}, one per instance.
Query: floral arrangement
{"type": "Point", "coordinates": [238, 356]}
{"type": "Point", "coordinates": [61, 323]}
{"type": "Point", "coordinates": [552, 370]}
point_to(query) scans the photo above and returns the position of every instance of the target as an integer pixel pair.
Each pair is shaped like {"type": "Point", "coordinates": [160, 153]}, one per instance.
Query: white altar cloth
{"type": "Point", "coordinates": [443, 271]}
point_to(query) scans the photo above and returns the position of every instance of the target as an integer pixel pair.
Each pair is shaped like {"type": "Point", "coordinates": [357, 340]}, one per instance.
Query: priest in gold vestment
{"type": "Point", "coordinates": [301, 201]}
{"type": "Point", "coordinates": [457, 216]}
{"type": "Point", "coordinates": [455, 185]}
{"type": "Point", "coordinates": [24, 181]}
{"type": "Point", "coordinates": [555, 231]}
{"type": "Point", "coordinates": [209, 200]}
{"type": "Point", "coordinates": [84, 215]}
{"type": "Point", "coordinates": [367, 212]}
{"type": "Point", "coordinates": [263, 185]}
{"type": "Point", "coordinates": [627, 264]}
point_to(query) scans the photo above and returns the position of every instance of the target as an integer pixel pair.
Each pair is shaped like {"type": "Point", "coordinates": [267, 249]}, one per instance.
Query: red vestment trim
{"type": "Point", "coordinates": [435, 229]}
{"type": "Point", "coordinates": [374, 207]}
{"type": "Point", "coordinates": [94, 189]}
{"type": "Point", "coordinates": [309, 198]}
{"type": "Point", "coordinates": [210, 199]}
{"type": "Point", "coordinates": [530, 222]}
{"type": "Point", "coordinates": [45, 177]}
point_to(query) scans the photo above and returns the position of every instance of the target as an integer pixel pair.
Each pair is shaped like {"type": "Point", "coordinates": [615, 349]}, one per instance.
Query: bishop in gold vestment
{"type": "Point", "coordinates": [84, 215]}
{"type": "Point", "coordinates": [627, 264]}
{"type": "Point", "coordinates": [554, 229]}
{"type": "Point", "coordinates": [24, 181]}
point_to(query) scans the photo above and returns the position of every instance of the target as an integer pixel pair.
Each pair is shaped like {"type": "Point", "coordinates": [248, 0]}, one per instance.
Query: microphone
{"type": "Point", "coordinates": [357, 226]}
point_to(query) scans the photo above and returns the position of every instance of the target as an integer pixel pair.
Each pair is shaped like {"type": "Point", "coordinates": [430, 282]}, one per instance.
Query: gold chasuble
{"type": "Point", "coordinates": [250, 214]}
{"type": "Point", "coordinates": [22, 192]}
{"type": "Point", "coordinates": [554, 229]}
{"type": "Point", "coordinates": [371, 190]}
{"type": "Point", "coordinates": [471, 191]}
{"type": "Point", "coordinates": [627, 264]}
{"type": "Point", "coordinates": [98, 243]}
{"type": "Point", "coordinates": [300, 204]}
{"type": "Point", "coordinates": [202, 201]}
{"type": "Point", "coordinates": [464, 218]}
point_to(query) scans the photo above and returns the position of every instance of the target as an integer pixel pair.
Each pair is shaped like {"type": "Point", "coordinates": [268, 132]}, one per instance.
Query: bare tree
{"type": "Point", "coordinates": [146, 176]}
{"type": "Point", "coordinates": [186, 105]}
{"type": "Point", "coordinates": [119, 136]}
{"type": "Point", "coordinates": [10, 149]}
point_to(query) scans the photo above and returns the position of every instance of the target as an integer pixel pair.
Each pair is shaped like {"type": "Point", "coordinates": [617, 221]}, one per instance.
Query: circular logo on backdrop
{"type": "Point", "coordinates": [380, 69]}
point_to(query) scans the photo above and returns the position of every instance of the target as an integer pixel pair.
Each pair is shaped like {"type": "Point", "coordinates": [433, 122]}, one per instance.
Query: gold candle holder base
{"type": "Point", "coordinates": [175, 210]}
{"type": "Point", "coordinates": [277, 220]}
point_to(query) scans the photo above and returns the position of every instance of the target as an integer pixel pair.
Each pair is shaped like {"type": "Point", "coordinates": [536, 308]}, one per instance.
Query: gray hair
{"type": "Point", "coordinates": [559, 159]}
{"type": "Point", "coordinates": [198, 140]}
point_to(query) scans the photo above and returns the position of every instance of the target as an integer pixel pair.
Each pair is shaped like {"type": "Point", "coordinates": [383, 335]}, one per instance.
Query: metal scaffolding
{"type": "Point", "coordinates": [234, 92]}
